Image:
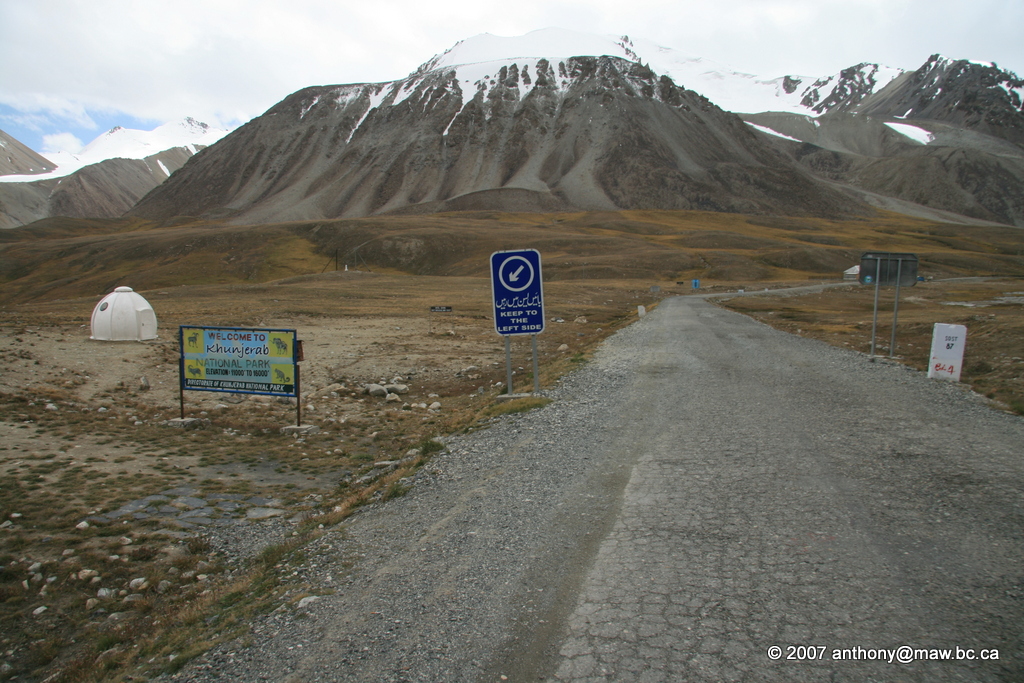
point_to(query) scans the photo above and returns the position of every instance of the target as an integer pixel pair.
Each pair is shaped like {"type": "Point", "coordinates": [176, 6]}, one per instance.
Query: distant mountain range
{"type": "Point", "coordinates": [104, 180]}
{"type": "Point", "coordinates": [560, 120]}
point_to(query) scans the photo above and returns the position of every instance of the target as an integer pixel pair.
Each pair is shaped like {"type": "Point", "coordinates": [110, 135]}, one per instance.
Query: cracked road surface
{"type": "Point", "coordinates": [705, 490]}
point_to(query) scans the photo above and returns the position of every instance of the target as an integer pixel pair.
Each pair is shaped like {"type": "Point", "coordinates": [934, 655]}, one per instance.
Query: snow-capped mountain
{"type": "Point", "coordinates": [128, 143]}
{"type": "Point", "coordinates": [562, 120]}
{"type": "Point", "coordinates": [105, 179]}
{"type": "Point", "coordinates": [731, 90]}
{"type": "Point", "coordinates": [496, 123]}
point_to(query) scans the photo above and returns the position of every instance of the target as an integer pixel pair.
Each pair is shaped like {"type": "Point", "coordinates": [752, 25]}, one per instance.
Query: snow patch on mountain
{"type": "Point", "coordinates": [769, 131]}
{"type": "Point", "coordinates": [913, 132]}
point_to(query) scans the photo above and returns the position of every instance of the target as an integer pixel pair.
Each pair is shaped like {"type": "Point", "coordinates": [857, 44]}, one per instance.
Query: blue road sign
{"type": "Point", "coordinates": [518, 292]}
{"type": "Point", "coordinates": [696, 284]}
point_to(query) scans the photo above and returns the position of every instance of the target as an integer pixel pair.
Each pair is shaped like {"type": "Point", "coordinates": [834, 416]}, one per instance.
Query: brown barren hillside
{"type": "Point", "coordinates": [67, 258]}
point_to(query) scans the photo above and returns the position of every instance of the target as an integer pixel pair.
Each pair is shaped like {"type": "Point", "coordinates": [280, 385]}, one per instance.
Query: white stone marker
{"type": "Point", "coordinates": [947, 355]}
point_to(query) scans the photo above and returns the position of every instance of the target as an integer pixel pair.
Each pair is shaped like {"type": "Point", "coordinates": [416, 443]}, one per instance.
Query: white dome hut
{"type": "Point", "coordinates": [123, 315]}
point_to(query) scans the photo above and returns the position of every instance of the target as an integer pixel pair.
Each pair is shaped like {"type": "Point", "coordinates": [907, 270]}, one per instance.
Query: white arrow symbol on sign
{"type": "Point", "coordinates": [515, 276]}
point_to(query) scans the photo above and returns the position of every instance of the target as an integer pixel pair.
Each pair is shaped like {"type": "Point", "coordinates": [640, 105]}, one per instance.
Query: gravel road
{"type": "Point", "coordinates": [705, 489]}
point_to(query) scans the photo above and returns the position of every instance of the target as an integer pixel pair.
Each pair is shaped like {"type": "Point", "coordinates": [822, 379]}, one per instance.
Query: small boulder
{"type": "Point", "coordinates": [376, 390]}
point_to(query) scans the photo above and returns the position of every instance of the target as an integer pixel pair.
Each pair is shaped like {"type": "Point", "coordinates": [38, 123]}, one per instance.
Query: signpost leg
{"type": "Point", "coordinates": [298, 398]}
{"type": "Point", "coordinates": [181, 386]}
{"type": "Point", "coordinates": [895, 309]}
{"type": "Point", "coordinates": [874, 319]}
{"type": "Point", "coordinates": [536, 370]}
{"type": "Point", "coordinates": [508, 362]}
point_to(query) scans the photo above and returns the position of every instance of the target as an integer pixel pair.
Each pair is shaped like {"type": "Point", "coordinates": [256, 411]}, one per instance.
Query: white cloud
{"type": "Point", "coordinates": [61, 142]}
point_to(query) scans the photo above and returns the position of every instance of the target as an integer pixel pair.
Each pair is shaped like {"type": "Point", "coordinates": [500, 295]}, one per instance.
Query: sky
{"type": "Point", "coordinates": [72, 69]}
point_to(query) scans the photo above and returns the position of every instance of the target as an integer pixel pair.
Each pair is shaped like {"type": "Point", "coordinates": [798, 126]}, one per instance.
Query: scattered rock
{"type": "Point", "coordinates": [124, 540]}
{"type": "Point", "coordinates": [87, 574]}
{"type": "Point", "coordinates": [82, 526]}
{"type": "Point", "coordinates": [563, 347]}
{"type": "Point", "coordinates": [163, 586]}
{"type": "Point", "coordinates": [307, 601]}
{"type": "Point", "coordinates": [139, 584]}
{"type": "Point", "coordinates": [51, 406]}
{"type": "Point", "coordinates": [434, 406]}
{"type": "Point", "coordinates": [376, 390]}
{"type": "Point", "coordinates": [261, 513]}
{"type": "Point", "coordinates": [580, 320]}
{"type": "Point", "coordinates": [144, 384]}
{"type": "Point", "coordinates": [39, 610]}
{"type": "Point", "coordinates": [184, 422]}
{"type": "Point", "coordinates": [392, 398]}
{"type": "Point", "coordinates": [300, 429]}
{"type": "Point", "coordinates": [105, 593]}
{"type": "Point", "coordinates": [91, 603]}
{"type": "Point", "coordinates": [395, 388]}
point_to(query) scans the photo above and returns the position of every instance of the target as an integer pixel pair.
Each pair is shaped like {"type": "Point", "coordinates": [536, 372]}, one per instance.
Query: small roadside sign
{"type": "Point", "coordinates": [947, 356]}
{"type": "Point", "coordinates": [518, 292]}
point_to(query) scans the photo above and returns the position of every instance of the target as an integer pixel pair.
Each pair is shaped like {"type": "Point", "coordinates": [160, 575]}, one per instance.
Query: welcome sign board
{"type": "Point", "coordinates": [239, 360]}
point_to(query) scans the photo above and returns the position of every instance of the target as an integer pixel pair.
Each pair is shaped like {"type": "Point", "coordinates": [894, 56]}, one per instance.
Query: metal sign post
{"type": "Point", "coordinates": [518, 293]}
{"type": "Point", "coordinates": [890, 269]}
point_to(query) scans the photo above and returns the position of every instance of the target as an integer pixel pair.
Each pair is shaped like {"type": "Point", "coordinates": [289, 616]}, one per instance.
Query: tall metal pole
{"type": "Point", "coordinates": [536, 371]}
{"type": "Point", "coordinates": [508, 362]}
{"type": "Point", "coordinates": [874, 319]}
{"type": "Point", "coordinates": [895, 309]}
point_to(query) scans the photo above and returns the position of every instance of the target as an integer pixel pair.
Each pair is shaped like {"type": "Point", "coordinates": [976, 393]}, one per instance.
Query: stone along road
{"type": "Point", "coordinates": [705, 491]}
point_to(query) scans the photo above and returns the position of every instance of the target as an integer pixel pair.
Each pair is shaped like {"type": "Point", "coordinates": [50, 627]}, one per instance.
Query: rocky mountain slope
{"type": "Point", "coordinates": [16, 158]}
